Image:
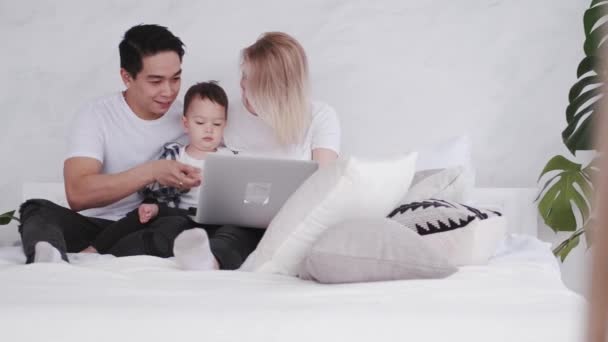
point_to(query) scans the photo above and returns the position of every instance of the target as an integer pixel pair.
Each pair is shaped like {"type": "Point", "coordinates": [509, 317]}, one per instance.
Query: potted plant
{"type": "Point", "coordinates": [7, 217]}
{"type": "Point", "coordinates": [565, 200]}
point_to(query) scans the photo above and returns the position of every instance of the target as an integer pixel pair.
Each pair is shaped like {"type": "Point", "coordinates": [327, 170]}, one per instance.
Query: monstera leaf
{"type": "Point", "coordinates": [587, 91]}
{"type": "Point", "coordinates": [564, 248]}
{"type": "Point", "coordinates": [565, 194]}
{"type": "Point", "coordinates": [7, 217]}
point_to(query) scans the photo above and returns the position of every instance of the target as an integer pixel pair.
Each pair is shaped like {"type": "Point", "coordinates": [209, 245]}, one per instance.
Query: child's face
{"type": "Point", "coordinates": [204, 122]}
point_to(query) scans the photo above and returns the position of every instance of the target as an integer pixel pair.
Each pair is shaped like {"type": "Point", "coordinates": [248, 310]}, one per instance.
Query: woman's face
{"type": "Point", "coordinates": [244, 86]}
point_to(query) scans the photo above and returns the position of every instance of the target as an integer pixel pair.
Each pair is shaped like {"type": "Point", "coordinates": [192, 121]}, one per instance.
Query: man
{"type": "Point", "coordinates": [112, 150]}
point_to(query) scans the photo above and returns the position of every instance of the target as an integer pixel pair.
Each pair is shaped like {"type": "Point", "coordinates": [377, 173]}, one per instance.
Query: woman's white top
{"type": "Point", "coordinates": [249, 135]}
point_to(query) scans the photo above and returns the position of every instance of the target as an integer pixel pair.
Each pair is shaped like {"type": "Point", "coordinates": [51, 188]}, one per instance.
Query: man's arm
{"type": "Point", "coordinates": [86, 187]}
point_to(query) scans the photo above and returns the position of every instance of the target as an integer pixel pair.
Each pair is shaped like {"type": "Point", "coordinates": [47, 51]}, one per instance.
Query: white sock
{"type": "Point", "coordinates": [45, 252]}
{"type": "Point", "coordinates": [192, 251]}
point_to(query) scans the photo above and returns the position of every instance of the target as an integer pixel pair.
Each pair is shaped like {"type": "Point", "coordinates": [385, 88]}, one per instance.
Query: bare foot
{"type": "Point", "coordinates": [147, 211]}
{"type": "Point", "coordinates": [89, 249]}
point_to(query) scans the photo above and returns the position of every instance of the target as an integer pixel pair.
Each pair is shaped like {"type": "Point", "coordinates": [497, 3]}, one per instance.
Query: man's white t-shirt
{"type": "Point", "coordinates": [190, 198]}
{"type": "Point", "coordinates": [109, 131]}
{"type": "Point", "coordinates": [249, 135]}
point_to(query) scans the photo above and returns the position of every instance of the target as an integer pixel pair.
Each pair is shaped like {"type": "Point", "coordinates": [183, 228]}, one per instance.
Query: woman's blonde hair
{"type": "Point", "coordinates": [278, 85]}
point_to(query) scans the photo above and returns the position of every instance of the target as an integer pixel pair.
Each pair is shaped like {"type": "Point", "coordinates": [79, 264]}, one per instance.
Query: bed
{"type": "Point", "coordinates": [517, 296]}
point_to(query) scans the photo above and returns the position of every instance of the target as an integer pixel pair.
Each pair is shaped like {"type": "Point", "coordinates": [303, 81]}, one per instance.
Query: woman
{"type": "Point", "coordinates": [277, 119]}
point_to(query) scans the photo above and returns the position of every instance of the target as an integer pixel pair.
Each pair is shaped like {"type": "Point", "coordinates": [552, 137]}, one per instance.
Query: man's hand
{"type": "Point", "coordinates": [175, 174]}
{"type": "Point", "coordinates": [147, 211]}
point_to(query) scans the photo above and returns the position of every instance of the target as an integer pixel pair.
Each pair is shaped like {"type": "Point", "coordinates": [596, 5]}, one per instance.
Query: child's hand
{"type": "Point", "coordinates": [147, 211]}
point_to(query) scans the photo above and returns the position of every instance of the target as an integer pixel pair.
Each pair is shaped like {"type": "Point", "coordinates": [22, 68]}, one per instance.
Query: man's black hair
{"type": "Point", "coordinates": [146, 40]}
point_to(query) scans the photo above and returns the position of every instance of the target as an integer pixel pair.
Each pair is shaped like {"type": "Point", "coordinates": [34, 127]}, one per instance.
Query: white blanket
{"type": "Point", "coordinates": [517, 297]}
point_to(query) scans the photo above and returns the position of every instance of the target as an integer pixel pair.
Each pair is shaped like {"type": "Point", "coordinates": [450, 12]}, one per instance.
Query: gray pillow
{"type": "Point", "coordinates": [372, 250]}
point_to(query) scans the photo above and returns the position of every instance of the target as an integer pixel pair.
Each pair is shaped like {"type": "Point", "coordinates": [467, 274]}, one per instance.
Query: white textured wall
{"type": "Point", "coordinates": [399, 72]}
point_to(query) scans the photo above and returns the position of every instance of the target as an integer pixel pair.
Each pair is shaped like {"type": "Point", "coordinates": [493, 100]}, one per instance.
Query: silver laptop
{"type": "Point", "coordinates": [248, 191]}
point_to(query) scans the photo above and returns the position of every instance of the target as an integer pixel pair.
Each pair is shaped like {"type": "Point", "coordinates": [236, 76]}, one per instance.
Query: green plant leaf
{"type": "Point", "coordinates": [547, 183]}
{"type": "Point", "coordinates": [574, 120]}
{"type": "Point", "coordinates": [577, 88]}
{"type": "Point", "coordinates": [560, 199]}
{"type": "Point", "coordinates": [575, 106]}
{"type": "Point", "coordinates": [7, 217]}
{"type": "Point", "coordinates": [595, 39]}
{"type": "Point", "coordinates": [578, 135]}
{"type": "Point", "coordinates": [592, 16]}
{"type": "Point", "coordinates": [559, 163]}
{"type": "Point", "coordinates": [563, 252]}
{"type": "Point", "coordinates": [588, 64]}
{"type": "Point", "coordinates": [581, 139]}
{"type": "Point", "coordinates": [566, 246]}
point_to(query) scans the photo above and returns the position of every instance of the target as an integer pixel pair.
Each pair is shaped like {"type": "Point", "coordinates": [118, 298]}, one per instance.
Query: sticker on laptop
{"type": "Point", "coordinates": [257, 193]}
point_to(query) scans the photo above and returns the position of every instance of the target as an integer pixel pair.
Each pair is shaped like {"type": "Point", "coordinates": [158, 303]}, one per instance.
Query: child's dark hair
{"type": "Point", "coordinates": [206, 90]}
{"type": "Point", "coordinates": [146, 40]}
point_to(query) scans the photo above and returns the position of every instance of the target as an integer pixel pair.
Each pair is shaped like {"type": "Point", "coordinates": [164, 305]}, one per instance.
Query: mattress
{"type": "Point", "coordinates": [517, 296]}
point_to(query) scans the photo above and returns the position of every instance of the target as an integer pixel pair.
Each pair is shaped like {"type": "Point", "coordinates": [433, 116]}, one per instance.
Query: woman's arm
{"type": "Point", "coordinates": [324, 156]}
{"type": "Point", "coordinates": [326, 135]}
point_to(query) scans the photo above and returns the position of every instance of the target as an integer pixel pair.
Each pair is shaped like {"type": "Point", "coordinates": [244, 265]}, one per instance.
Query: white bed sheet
{"type": "Point", "coordinates": [518, 296]}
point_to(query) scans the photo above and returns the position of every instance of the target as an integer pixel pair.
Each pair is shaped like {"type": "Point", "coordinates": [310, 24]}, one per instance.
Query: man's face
{"type": "Point", "coordinates": [156, 86]}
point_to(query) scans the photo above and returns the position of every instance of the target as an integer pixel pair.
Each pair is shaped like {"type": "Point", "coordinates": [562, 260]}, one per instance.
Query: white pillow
{"type": "Point", "coordinates": [448, 154]}
{"type": "Point", "coordinates": [463, 234]}
{"type": "Point", "coordinates": [474, 245]}
{"type": "Point", "coordinates": [446, 184]}
{"type": "Point", "coordinates": [343, 190]}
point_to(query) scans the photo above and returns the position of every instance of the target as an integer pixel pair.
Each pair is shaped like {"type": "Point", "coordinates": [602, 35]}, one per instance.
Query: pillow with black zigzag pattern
{"type": "Point", "coordinates": [463, 234]}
